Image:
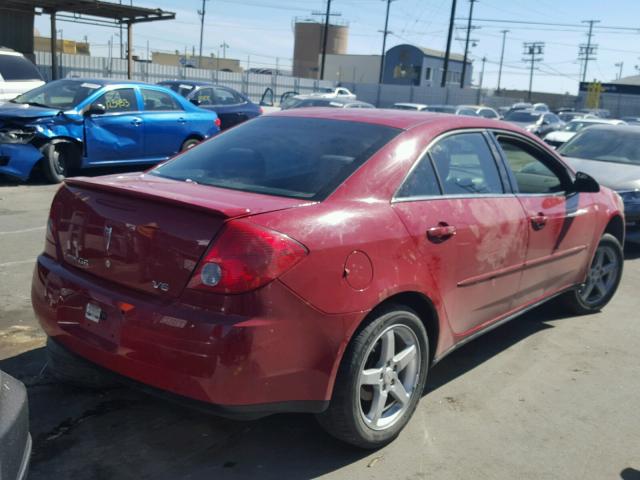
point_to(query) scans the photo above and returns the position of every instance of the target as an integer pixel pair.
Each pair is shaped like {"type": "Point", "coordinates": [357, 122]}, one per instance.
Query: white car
{"type": "Point", "coordinates": [17, 75]}
{"type": "Point", "coordinates": [410, 106]}
{"type": "Point", "coordinates": [339, 92]}
{"type": "Point", "coordinates": [560, 137]}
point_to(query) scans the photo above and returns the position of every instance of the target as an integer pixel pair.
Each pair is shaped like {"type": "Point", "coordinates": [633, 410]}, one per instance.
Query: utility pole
{"type": "Point", "coordinates": [325, 37]}
{"type": "Point", "coordinates": [588, 52]}
{"type": "Point", "coordinates": [121, 39]}
{"type": "Point", "coordinates": [201, 13]}
{"type": "Point", "coordinates": [619, 65]}
{"type": "Point", "coordinates": [385, 32]}
{"type": "Point", "coordinates": [224, 45]}
{"type": "Point", "coordinates": [466, 45]}
{"type": "Point", "coordinates": [504, 39]}
{"type": "Point", "coordinates": [484, 60]}
{"type": "Point", "coordinates": [534, 51]}
{"type": "Point", "coordinates": [445, 71]}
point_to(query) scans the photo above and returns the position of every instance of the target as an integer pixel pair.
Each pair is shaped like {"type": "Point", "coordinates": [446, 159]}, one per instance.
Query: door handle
{"type": "Point", "coordinates": [442, 232]}
{"type": "Point", "coordinates": [181, 120]}
{"type": "Point", "coordinates": [136, 121]}
{"type": "Point", "coordinates": [539, 221]}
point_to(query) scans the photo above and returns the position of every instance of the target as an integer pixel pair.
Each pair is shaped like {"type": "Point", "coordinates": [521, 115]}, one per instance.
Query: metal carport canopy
{"type": "Point", "coordinates": [97, 13]}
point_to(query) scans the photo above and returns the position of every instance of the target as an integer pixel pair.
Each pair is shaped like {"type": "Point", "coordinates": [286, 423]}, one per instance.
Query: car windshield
{"type": "Point", "coordinates": [61, 94]}
{"type": "Point", "coordinates": [520, 116]}
{"type": "Point", "coordinates": [607, 145]}
{"type": "Point", "coordinates": [441, 109]}
{"type": "Point", "coordinates": [291, 157]}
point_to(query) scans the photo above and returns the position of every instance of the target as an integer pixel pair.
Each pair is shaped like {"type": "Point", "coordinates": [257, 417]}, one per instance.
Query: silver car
{"type": "Point", "coordinates": [611, 155]}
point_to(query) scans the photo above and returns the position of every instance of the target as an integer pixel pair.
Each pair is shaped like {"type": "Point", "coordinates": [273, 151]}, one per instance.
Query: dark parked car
{"type": "Point", "coordinates": [538, 123]}
{"type": "Point", "coordinates": [306, 102]}
{"type": "Point", "coordinates": [79, 123]}
{"type": "Point", "coordinates": [15, 440]}
{"type": "Point", "coordinates": [321, 260]}
{"type": "Point", "coordinates": [611, 154]}
{"type": "Point", "coordinates": [231, 106]}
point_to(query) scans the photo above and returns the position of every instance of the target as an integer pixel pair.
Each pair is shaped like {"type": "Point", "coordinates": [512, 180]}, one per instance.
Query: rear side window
{"type": "Point", "coordinates": [157, 100]}
{"type": "Point", "coordinates": [293, 157]}
{"type": "Point", "coordinates": [204, 96]}
{"type": "Point", "coordinates": [465, 165]}
{"type": "Point", "coordinates": [421, 182]}
{"type": "Point", "coordinates": [227, 97]}
{"type": "Point", "coordinates": [14, 67]}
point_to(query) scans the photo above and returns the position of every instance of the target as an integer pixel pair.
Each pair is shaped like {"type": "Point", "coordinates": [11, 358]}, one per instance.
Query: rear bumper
{"type": "Point", "coordinates": [17, 160]}
{"type": "Point", "coordinates": [265, 351]}
{"type": "Point", "coordinates": [15, 440]}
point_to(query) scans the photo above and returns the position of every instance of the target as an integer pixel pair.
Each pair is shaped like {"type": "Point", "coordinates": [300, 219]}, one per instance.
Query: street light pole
{"type": "Point", "coordinates": [385, 32]}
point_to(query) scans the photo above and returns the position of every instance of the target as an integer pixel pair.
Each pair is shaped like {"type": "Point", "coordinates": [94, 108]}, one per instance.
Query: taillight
{"type": "Point", "coordinates": [217, 122]}
{"type": "Point", "coordinates": [245, 257]}
{"type": "Point", "coordinates": [50, 237]}
{"type": "Point", "coordinates": [261, 110]}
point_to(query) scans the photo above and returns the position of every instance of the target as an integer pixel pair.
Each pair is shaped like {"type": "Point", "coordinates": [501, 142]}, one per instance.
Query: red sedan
{"type": "Point", "coordinates": [319, 260]}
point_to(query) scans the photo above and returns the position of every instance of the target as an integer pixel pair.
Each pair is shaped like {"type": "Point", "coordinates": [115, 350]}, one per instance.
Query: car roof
{"type": "Point", "coordinates": [107, 81]}
{"type": "Point", "coordinates": [403, 119]}
{"type": "Point", "coordinates": [615, 128]}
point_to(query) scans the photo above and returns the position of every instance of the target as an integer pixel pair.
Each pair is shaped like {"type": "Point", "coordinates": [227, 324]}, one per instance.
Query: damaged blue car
{"type": "Point", "coordinates": [70, 124]}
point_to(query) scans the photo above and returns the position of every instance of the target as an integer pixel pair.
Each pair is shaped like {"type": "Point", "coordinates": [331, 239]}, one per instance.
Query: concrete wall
{"type": "Point", "coordinates": [308, 38]}
{"type": "Point", "coordinates": [384, 96]}
{"type": "Point", "coordinates": [352, 68]}
{"type": "Point", "coordinates": [210, 63]}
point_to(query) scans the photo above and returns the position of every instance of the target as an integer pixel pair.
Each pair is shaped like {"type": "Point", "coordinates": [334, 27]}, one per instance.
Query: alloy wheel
{"type": "Point", "coordinates": [602, 276]}
{"type": "Point", "coordinates": [388, 377]}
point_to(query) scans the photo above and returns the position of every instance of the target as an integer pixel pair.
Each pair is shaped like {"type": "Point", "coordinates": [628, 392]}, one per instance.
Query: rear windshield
{"type": "Point", "coordinates": [14, 67]}
{"type": "Point", "coordinates": [292, 157]}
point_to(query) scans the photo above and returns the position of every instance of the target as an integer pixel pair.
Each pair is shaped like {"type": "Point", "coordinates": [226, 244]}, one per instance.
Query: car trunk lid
{"type": "Point", "coordinates": [146, 232]}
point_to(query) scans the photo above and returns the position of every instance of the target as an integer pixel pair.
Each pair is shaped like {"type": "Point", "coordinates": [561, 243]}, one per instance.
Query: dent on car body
{"type": "Point", "coordinates": [22, 136]}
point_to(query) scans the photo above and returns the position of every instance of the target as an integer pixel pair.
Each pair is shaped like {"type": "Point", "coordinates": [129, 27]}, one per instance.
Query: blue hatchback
{"type": "Point", "coordinates": [231, 106]}
{"type": "Point", "coordinates": [77, 123]}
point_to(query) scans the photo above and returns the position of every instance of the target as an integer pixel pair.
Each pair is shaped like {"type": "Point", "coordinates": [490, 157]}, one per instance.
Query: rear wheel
{"type": "Point", "coordinates": [603, 278]}
{"type": "Point", "coordinates": [189, 143]}
{"type": "Point", "coordinates": [380, 380]}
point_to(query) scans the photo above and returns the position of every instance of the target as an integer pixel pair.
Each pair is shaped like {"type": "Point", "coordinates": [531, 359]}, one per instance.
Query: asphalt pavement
{"type": "Point", "coordinates": [546, 396]}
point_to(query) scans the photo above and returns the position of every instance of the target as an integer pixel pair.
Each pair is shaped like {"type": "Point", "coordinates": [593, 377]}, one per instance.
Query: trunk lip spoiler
{"type": "Point", "coordinates": [217, 207]}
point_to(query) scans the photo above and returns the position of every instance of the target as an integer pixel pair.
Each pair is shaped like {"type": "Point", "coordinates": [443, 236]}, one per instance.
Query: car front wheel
{"type": "Point", "coordinates": [57, 161]}
{"type": "Point", "coordinates": [602, 280]}
{"type": "Point", "coordinates": [380, 380]}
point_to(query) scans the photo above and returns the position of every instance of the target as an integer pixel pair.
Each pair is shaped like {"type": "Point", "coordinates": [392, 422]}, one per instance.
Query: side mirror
{"type": "Point", "coordinates": [96, 109]}
{"type": "Point", "coordinates": [195, 101]}
{"type": "Point", "coordinates": [585, 183]}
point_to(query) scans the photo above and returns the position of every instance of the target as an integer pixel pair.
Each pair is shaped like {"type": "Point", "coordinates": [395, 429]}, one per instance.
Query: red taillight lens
{"type": "Point", "coordinates": [245, 257]}
{"type": "Point", "coordinates": [217, 122]}
{"type": "Point", "coordinates": [261, 110]}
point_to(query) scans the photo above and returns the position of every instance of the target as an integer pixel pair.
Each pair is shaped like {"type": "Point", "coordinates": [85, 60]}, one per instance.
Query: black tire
{"type": "Point", "coordinates": [575, 300]}
{"type": "Point", "coordinates": [189, 143]}
{"type": "Point", "coordinates": [70, 369]}
{"type": "Point", "coordinates": [59, 158]}
{"type": "Point", "coordinates": [344, 417]}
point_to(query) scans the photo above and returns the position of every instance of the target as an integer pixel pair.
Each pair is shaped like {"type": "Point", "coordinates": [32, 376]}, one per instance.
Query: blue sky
{"type": "Point", "coordinates": [258, 31]}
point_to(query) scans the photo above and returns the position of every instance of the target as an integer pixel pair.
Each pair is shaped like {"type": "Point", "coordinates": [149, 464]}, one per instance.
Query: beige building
{"type": "Point", "coordinates": [210, 63]}
{"type": "Point", "coordinates": [308, 41]}
{"type": "Point", "coordinates": [43, 44]}
{"type": "Point", "coordinates": [351, 68]}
